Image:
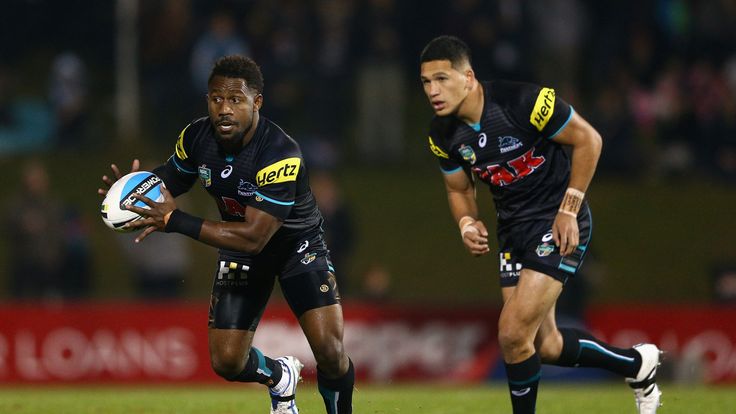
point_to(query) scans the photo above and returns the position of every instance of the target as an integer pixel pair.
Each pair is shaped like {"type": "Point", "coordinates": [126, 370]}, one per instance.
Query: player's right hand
{"type": "Point", "coordinates": [107, 181]}
{"type": "Point", "coordinates": [475, 238]}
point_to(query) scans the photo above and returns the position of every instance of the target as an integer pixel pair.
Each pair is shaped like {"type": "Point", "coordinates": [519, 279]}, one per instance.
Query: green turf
{"type": "Point", "coordinates": [570, 399]}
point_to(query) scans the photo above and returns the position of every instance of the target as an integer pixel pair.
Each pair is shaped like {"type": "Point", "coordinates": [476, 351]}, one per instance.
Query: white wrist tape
{"type": "Point", "coordinates": [466, 225]}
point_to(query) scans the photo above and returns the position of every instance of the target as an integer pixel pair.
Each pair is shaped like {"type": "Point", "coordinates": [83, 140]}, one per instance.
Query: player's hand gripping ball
{"type": "Point", "coordinates": [121, 193]}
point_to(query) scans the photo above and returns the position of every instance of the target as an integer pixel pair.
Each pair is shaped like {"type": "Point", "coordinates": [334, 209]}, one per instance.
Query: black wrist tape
{"type": "Point", "coordinates": [181, 222]}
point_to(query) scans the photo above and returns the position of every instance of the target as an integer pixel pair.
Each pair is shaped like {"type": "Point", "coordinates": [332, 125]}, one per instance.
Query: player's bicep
{"type": "Point", "coordinates": [576, 132]}
{"type": "Point", "coordinates": [458, 181]}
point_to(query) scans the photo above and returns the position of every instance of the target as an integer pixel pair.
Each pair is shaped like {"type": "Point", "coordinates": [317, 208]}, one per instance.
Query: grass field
{"type": "Point", "coordinates": [553, 399]}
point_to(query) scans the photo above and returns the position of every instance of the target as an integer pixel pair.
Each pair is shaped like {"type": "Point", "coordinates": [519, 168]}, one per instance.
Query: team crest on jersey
{"type": "Point", "coordinates": [246, 189]}
{"type": "Point", "coordinates": [205, 175]}
{"type": "Point", "coordinates": [545, 249]}
{"type": "Point", "coordinates": [467, 153]}
{"type": "Point", "coordinates": [308, 258]}
{"type": "Point", "coordinates": [508, 143]}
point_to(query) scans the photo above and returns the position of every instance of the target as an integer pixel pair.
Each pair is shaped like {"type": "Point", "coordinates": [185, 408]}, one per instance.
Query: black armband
{"type": "Point", "coordinates": [181, 222]}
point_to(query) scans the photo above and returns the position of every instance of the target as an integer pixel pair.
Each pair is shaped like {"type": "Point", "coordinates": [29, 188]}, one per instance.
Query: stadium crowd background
{"type": "Point", "coordinates": [657, 78]}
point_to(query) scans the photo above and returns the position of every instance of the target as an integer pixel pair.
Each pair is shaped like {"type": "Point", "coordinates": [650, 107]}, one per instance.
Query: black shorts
{"type": "Point", "coordinates": [242, 286]}
{"type": "Point", "coordinates": [529, 245]}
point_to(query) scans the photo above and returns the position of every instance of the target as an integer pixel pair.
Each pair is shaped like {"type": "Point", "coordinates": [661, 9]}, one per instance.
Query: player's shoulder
{"type": "Point", "coordinates": [441, 129]}
{"type": "Point", "coordinates": [190, 135]}
{"type": "Point", "coordinates": [280, 158]}
{"type": "Point", "coordinates": [276, 141]}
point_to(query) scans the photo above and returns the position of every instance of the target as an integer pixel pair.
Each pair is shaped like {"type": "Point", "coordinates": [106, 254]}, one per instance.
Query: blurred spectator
{"type": "Point", "coordinates": [376, 283]}
{"type": "Point", "coordinates": [381, 86]}
{"type": "Point", "coordinates": [221, 38]}
{"type": "Point", "coordinates": [724, 284]}
{"type": "Point", "coordinates": [159, 265]}
{"type": "Point", "coordinates": [166, 42]}
{"type": "Point", "coordinates": [68, 98]}
{"type": "Point", "coordinates": [338, 225]}
{"type": "Point", "coordinates": [36, 228]}
{"type": "Point", "coordinates": [25, 124]}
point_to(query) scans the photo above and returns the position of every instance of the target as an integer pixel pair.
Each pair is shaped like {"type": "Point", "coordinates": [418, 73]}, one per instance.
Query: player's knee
{"type": "Point", "coordinates": [227, 363]}
{"type": "Point", "coordinates": [329, 355]}
{"type": "Point", "coordinates": [512, 337]}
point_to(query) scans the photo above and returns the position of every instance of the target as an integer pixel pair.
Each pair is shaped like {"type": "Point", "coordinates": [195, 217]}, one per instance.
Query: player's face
{"type": "Point", "coordinates": [233, 110]}
{"type": "Point", "coordinates": [445, 86]}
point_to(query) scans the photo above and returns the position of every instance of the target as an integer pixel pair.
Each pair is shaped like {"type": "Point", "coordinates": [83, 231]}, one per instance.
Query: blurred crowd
{"type": "Point", "coordinates": [657, 78]}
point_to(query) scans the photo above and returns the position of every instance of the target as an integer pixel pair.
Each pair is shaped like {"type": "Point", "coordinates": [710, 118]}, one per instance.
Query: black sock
{"type": "Point", "coordinates": [259, 368]}
{"type": "Point", "coordinates": [338, 392]}
{"type": "Point", "coordinates": [581, 349]}
{"type": "Point", "coordinates": [523, 383]}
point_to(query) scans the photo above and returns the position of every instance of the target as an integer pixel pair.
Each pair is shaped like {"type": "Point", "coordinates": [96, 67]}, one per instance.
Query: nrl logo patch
{"type": "Point", "coordinates": [508, 143]}
{"type": "Point", "coordinates": [467, 153]}
{"type": "Point", "coordinates": [545, 249]}
{"type": "Point", "coordinates": [205, 175]}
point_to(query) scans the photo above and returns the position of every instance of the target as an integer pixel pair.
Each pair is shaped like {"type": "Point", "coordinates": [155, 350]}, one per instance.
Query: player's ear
{"type": "Point", "coordinates": [469, 78]}
{"type": "Point", "coordinates": [257, 102]}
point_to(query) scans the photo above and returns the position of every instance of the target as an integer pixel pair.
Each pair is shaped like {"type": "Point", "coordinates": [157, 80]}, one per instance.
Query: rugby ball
{"type": "Point", "coordinates": [121, 193]}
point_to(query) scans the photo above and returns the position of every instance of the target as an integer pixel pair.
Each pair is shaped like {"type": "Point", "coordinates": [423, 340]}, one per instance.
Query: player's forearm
{"type": "Point", "coordinates": [238, 236]}
{"type": "Point", "coordinates": [462, 204]}
{"type": "Point", "coordinates": [585, 156]}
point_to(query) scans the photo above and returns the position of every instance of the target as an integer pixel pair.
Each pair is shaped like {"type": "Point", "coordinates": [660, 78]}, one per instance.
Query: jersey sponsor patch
{"type": "Point", "coordinates": [179, 149]}
{"type": "Point", "coordinates": [543, 108]}
{"type": "Point", "coordinates": [279, 172]}
{"type": "Point", "coordinates": [437, 150]}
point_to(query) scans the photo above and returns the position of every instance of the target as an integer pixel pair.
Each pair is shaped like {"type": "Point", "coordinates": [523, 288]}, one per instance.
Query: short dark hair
{"type": "Point", "coordinates": [446, 48]}
{"type": "Point", "coordinates": [242, 67]}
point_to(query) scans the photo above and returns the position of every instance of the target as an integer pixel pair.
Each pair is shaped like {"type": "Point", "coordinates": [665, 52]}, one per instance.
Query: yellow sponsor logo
{"type": "Point", "coordinates": [279, 172]}
{"type": "Point", "coordinates": [543, 108]}
{"type": "Point", "coordinates": [437, 150]}
{"type": "Point", "coordinates": [180, 145]}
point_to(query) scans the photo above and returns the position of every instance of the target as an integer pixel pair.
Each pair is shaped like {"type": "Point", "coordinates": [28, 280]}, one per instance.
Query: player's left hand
{"type": "Point", "coordinates": [565, 233]}
{"type": "Point", "coordinates": [154, 216]}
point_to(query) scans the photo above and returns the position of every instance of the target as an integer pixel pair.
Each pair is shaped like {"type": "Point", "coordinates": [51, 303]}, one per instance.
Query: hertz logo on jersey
{"type": "Point", "coordinates": [543, 108]}
{"type": "Point", "coordinates": [437, 150]}
{"type": "Point", "coordinates": [279, 172]}
{"type": "Point", "coordinates": [180, 145]}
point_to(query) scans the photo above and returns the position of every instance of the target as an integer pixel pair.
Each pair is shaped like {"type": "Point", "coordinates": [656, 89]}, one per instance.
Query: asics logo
{"type": "Point", "coordinates": [521, 393]}
{"type": "Point", "coordinates": [227, 171]}
{"type": "Point", "coordinates": [303, 246]}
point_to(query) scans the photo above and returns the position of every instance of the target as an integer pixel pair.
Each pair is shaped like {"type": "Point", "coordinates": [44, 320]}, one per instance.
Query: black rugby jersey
{"type": "Point", "coordinates": [268, 174]}
{"type": "Point", "coordinates": [511, 149]}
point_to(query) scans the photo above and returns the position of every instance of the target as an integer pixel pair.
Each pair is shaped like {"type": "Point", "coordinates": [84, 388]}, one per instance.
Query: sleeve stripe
{"type": "Point", "coordinates": [453, 171]}
{"type": "Point", "coordinates": [179, 167]}
{"type": "Point", "coordinates": [281, 203]}
{"type": "Point", "coordinates": [572, 111]}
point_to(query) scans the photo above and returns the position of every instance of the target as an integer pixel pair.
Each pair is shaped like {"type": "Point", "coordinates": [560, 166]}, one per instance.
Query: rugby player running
{"type": "Point", "coordinates": [270, 228]}
{"type": "Point", "coordinates": [510, 135]}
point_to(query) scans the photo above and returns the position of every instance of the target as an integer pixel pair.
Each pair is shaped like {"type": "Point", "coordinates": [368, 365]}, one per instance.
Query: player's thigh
{"type": "Point", "coordinates": [310, 290]}
{"type": "Point", "coordinates": [240, 293]}
{"type": "Point", "coordinates": [315, 301]}
{"type": "Point", "coordinates": [531, 300]}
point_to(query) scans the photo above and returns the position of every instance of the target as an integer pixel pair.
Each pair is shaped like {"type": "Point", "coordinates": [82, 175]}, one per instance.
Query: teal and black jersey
{"type": "Point", "coordinates": [268, 174]}
{"type": "Point", "coordinates": [512, 149]}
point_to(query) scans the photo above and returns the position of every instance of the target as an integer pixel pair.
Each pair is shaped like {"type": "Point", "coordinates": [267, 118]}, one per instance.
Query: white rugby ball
{"type": "Point", "coordinates": [121, 193]}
